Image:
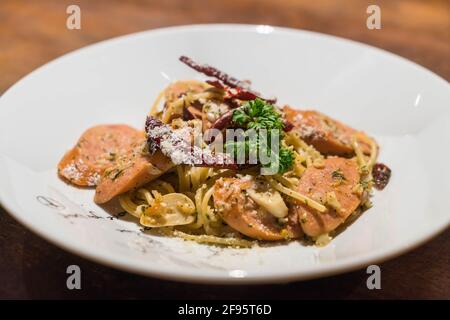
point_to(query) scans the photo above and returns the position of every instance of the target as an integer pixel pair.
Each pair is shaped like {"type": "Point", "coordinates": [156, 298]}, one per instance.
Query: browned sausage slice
{"type": "Point", "coordinates": [133, 170]}
{"type": "Point", "coordinates": [327, 135]}
{"type": "Point", "coordinates": [338, 178]}
{"type": "Point", "coordinates": [242, 214]}
{"type": "Point", "coordinates": [96, 150]}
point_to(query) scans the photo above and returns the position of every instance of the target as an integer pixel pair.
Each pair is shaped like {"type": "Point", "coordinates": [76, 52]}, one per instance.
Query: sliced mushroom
{"type": "Point", "coordinates": [173, 209]}
{"type": "Point", "coordinates": [271, 201]}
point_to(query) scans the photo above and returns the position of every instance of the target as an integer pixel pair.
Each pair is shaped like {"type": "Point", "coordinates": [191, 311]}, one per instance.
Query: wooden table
{"type": "Point", "coordinates": [34, 32]}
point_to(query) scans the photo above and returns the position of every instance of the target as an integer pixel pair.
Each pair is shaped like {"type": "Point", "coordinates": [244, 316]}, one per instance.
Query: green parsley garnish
{"type": "Point", "coordinates": [286, 159]}
{"type": "Point", "coordinates": [257, 115]}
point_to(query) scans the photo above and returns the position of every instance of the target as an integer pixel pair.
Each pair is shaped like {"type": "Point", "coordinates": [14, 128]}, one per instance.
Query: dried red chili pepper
{"type": "Point", "coordinates": [243, 91]}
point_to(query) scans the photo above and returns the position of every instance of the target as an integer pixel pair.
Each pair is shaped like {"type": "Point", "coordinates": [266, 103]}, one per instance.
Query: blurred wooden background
{"type": "Point", "coordinates": [34, 32]}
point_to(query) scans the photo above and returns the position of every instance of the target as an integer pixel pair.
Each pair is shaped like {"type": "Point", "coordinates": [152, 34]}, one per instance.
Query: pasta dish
{"type": "Point", "coordinates": [220, 163]}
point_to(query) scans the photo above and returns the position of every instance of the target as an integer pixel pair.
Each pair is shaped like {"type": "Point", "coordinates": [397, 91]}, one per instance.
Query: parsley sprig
{"type": "Point", "coordinates": [257, 115]}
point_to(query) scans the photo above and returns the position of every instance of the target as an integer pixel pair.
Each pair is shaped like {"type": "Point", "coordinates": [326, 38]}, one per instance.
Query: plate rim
{"type": "Point", "coordinates": [345, 265]}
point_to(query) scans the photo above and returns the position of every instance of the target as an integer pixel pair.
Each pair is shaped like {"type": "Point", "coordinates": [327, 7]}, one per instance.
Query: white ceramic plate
{"type": "Point", "coordinates": [406, 107]}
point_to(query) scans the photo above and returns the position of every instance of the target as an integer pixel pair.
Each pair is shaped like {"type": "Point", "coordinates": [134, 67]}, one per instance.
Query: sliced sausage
{"type": "Point", "coordinates": [241, 213]}
{"type": "Point", "coordinates": [133, 170]}
{"type": "Point", "coordinates": [327, 135]}
{"type": "Point", "coordinates": [96, 150]}
{"type": "Point", "coordinates": [338, 177]}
